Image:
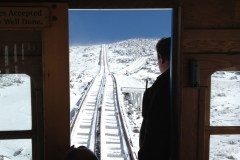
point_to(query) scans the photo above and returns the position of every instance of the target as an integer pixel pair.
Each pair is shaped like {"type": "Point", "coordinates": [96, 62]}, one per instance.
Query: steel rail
{"type": "Point", "coordinates": [99, 123]}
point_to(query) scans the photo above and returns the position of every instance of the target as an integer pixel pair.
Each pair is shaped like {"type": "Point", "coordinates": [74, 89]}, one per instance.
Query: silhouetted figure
{"type": "Point", "coordinates": [155, 131]}
{"type": "Point", "coordinates": [80, 153]}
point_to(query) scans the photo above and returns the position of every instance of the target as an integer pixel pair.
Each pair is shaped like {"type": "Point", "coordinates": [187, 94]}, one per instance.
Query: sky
{"type": "Point", "coordinates": [88, 27]}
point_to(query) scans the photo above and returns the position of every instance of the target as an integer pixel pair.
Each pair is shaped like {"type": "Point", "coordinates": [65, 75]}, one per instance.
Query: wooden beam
{"type": "Point", "coordinates": [109, 4]}
{"type": "Point", "coordinates": [211, 40]}
{"type": "Point", "coordinates": [189, 124]}
{"type": "Point", "coordinates": [211, 34]}
{"type": "Point", "coordinates": [223, 130]}
{"type": "Point", "coordinates": [210, 14]}
{"type": "Point", "coordinates": [56, 85]}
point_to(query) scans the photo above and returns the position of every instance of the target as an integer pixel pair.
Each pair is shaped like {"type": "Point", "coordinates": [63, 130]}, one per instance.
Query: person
{"type": "Point", "coordinates": [154, 140]}
{"type": "Point", "coordinates": [80, 153]}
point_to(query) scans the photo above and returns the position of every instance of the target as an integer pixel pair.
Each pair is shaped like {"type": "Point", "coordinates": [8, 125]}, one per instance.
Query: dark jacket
{"type": "Point", "coordinates": [155, 131]}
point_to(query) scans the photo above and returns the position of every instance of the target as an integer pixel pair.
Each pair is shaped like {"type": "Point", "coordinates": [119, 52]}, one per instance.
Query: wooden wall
{"type": "Point", "coordinates": [209, 33]}
{"type": "Point", "coordinates": [211, 36]}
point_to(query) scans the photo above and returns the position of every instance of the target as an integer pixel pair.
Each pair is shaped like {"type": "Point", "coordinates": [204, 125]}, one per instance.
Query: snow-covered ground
{"type": "Point", "coordinates": [15, 114]}
{"type": "Point", "coordinates": [225, 111]}
{"type": "Point", "coordinates": [225, 97]}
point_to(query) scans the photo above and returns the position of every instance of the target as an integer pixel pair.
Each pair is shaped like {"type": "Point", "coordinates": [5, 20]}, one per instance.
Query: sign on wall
{"type": "Point", "coordinates": [19, 17]}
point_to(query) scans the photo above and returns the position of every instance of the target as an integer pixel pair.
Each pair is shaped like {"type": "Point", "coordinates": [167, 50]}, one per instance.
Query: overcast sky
{"type": "Point", "coordinates": [107, 26]}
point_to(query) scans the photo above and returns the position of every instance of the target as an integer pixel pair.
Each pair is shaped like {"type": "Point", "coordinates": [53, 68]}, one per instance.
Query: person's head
{"type": "Point", "coordinates": [163, 48]}
{"type": "Point", "coordinates": [80, 153]}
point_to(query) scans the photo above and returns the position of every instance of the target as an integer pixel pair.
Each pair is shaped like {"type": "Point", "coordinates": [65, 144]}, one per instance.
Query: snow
{"type": "Point", "coordinates": [224, 147]}
{"type": "Point", "coordinates": [15, 106]}
{"type": "Point", "coordinates": [225, 100]}
{"type": "Point", "coordinates": [20, 149]}
{"type": "Point", "coordinates": [15, 100]}
{"type": "Point", "coordinates": [83, 68]}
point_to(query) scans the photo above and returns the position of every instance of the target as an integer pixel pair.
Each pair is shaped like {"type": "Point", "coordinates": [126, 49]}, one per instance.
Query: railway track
{"type": "Point", "coordinates": [99, 123]}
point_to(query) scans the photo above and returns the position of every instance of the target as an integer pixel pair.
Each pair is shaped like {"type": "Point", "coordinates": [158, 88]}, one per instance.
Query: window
{"type": "Point", "coordinates": [15, 99]}
{"type": "Point", "coordinates": [16, 149]}
{"type": "Point", "coordinates": [224, 147]}
{"type": "Point", "coordinates": [21, 125]}
{"type": "Point", "coordinates": [225, 115]}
